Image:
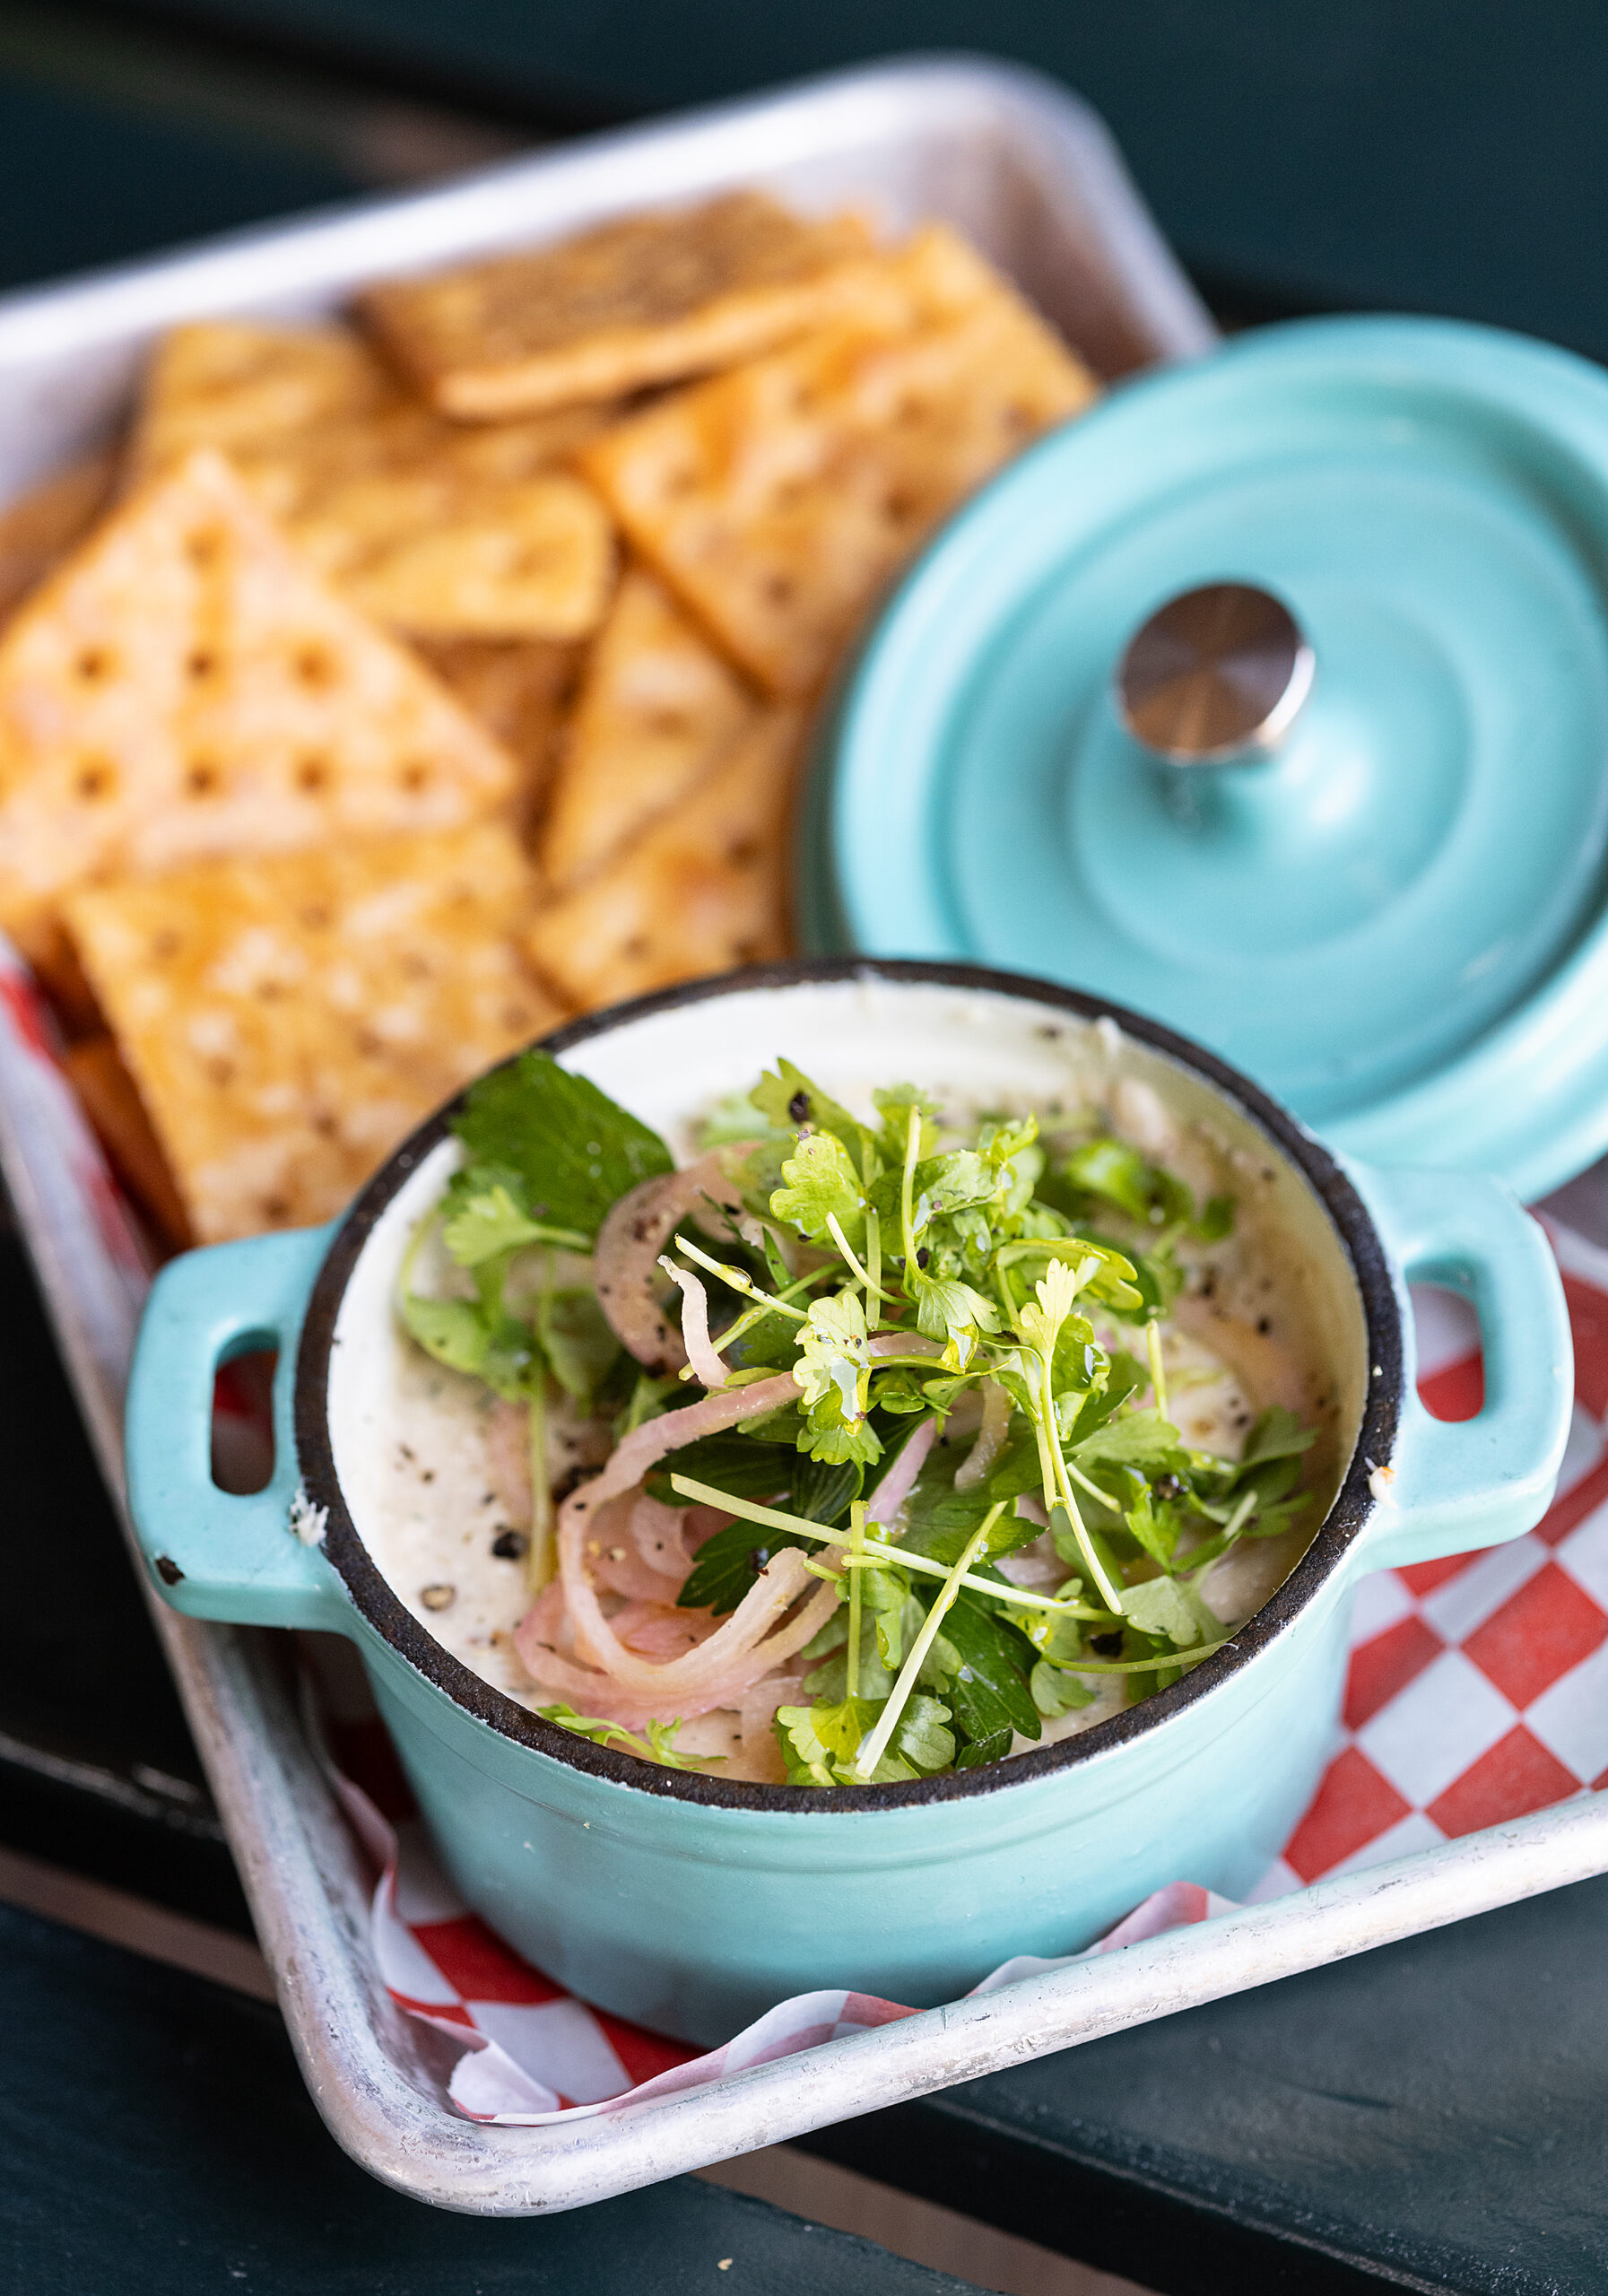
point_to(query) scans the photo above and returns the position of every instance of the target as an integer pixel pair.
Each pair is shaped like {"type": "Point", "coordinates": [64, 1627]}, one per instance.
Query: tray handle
{"type": "Point", "coordinates": [1473, 1482]}
{"type": "Point", "coordinates": [214, 1554]}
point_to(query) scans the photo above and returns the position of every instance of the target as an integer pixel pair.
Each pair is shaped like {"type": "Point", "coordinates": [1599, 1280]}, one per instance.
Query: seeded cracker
{"type": "Point", "coordinates": [648, 299]}
{"type": "Point", "coordinates": [657, 707]}
{"type": "Point", "coordinates": [701, 891]}
{"type": "Point", "coordinates": [289, 1021]}
{"type": "Point", "coordinates": [185, 686]}
{"type": "Point", "coordinates": [778, 499]}
{"type": "Point", "coordinates": [436, 530]}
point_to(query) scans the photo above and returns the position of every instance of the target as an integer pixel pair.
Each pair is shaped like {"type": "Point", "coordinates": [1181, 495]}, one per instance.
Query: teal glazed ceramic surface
{"type": "Point", "coordinates": [692, 1904]}
{"type": "Point", "coordinates": [1396, 922]}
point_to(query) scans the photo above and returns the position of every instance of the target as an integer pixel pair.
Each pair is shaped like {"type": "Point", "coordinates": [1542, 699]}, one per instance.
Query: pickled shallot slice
{"type": "Point", "coordinates": [897, 1484]}
{"type": "Point", "coordinates": [979, 1462]}
{"type": "Point", "coordinates": [625, 1263]}
{"type": "Point", "coordinates": [705, 1364]}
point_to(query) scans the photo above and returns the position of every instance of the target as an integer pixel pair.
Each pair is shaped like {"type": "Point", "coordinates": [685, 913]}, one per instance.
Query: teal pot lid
{"type": "Point", "coordinates": [1396, 920]}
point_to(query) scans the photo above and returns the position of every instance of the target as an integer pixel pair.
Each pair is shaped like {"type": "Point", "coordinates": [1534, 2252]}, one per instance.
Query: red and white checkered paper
{"type": "Point", "coordinates": [1478, 1692]}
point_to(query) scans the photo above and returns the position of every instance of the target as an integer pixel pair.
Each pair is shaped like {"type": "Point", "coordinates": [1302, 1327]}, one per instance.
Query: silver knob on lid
{"type": "Point", "coordinates": [1216, 676]}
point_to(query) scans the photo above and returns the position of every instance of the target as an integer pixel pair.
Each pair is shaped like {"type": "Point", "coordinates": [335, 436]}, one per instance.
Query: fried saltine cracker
{"type": "Point", "coordinates": [184, 685]}
{"type": "Point", "coordinates": [701, 891]}
{"type": "Point", "coordinates": [657, 707]}
{"type": "Point", "coordinates": [436, 530]}
{"type": "Point", "coordinates": [288, 1021]}
{"type": "Point", "coordinates": [40, 526]}
{"type": "Point", "coordinates": [645, 299]}
{"type": "Point", "coordinates": [521, 691]}
{"type": "Point", "coordinates": [778, 499]}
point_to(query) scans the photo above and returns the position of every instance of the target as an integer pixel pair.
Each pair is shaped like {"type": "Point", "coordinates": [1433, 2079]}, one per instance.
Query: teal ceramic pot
{"type": "Point", "coordinates": [692, 1904]}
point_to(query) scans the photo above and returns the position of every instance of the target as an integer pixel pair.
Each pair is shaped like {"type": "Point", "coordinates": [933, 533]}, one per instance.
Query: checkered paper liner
{"type": "Point", "coordinates": [1478, 1692]}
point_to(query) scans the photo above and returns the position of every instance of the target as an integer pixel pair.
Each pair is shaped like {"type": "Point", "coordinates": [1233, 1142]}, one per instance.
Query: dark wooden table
{"type": "Point", "coordinates": [1430, 2116]}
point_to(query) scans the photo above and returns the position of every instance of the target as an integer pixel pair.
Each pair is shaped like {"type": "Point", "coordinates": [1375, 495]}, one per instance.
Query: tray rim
{"type": "Point", "coordinates": [302, 1869]}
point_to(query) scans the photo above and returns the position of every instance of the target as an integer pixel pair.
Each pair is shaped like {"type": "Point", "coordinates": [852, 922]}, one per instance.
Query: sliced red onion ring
{"type": "Point", "coordinates": [625, 1263]}
{"type": "Point", "coordinates": [979, 1460]}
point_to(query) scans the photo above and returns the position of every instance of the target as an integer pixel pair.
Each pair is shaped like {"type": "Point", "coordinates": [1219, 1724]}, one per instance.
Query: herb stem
{"type": "Point", "coordinates": [737, 1279]}
{"type": "Point", "coordinates": [1158, 1374]}
{"type": "Point", "coordinates": [876, 1745]}
{"type": "Point", "coordinates": [860, 1274]}
{"type": "Point", "coordinates": [856, 1548]}
{"type": "Point", "coordinates": [906, 1195]}
{"type": "Point", "coordinates": [1054, 1466]}
{"type": "Point", "coordinates": [1147, 1666]}
{"type": "Point", "coordinates": [874, 1252]}
{"type": "Point", "coordinates": [877, 1552]}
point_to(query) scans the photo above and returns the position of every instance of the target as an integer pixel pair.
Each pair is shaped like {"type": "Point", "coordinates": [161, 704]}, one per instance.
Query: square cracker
{"type": "Point", "coordinates": [657, 709]}
{"type": "Point", "coordinates": [520, 690]}
{"type": "Point", "coordinates": [40, 526]}
{"type": "Point", "coordinates": [702, 889]}
{"type": "Point", "coordinates": [288, 1021]}
{"type": "Point", "coordinates": [779, 500]}
{"type": "Point", "coordinates": [436, 530]}
{"type": "Point", "coordinates": [184, 685]}
{"type": "Point", "coordinates": [646, 300]}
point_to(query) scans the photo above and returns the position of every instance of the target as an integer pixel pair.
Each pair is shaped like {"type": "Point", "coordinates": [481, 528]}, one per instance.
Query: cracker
{"type": "Point", "coordinates": [657, 709]}
{"type": "Point", "coordinates": [780, 499]}
{"type": "Point", "coordinates": [288, 1021]}
{"type": "Point", "coordinates": [40, 526]}
{"type": "Point", "coordinates": [520, 690]}
{"type": "Point", "coordinates": [245, 389]}
{"type": "Point", "coordinates": [436, 530]}
{"type": "Point", "coordinates": [701, 891]}
{"type": "Point", "coordinates": [110, 1099]}
{"type": "Point", "coordinates": [185, 686]}
{"type": "Point", "coordinates": [534, 560]}
{"type": "Point", "coordinates": [646, 300]}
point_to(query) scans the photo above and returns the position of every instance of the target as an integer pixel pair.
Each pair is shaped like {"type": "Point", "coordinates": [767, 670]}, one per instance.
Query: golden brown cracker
{"type": "Point", "coordinates": [432, 528]}
{"type": "Point", "coordinates": [111, 1101]}
{"type": "Point", "coordinates": [288, 1021]}
{"type": "Point", "coordinates": [657, 707]}
{"type": "Point", "coordinates": [647, 299]}
{"type": "Point", "coordinates": [703, 889]}
{"type": "Point", "coordinates": [534, 560]}
{"type": "Point", "coordinates": [247, 388]}
{"type": "Point", "coordinates": [521, 691]}
{"type": "Point", "coordinates": [40, 527]}
{"type": "Point", "coordinates": [778, 499]}
{"type": "Point", "coordinates": [185, 686]}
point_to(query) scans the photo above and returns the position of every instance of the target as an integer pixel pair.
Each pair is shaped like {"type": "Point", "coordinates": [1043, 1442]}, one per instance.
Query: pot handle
{"type": "Point", "coordinates": [214, 1554]}
{"type": "Point", "coordinates": [1473, 1482]}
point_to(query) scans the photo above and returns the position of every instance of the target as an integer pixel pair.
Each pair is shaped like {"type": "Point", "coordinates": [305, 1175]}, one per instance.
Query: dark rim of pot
{"type": "Point", "coordinates": [374, 1596]}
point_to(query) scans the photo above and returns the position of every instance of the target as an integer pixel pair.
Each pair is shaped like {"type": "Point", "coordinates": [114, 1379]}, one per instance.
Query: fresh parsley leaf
{"type": "Point", "coordinates": [1055, 1692]}
{"type": "Point", "coordinates": [731, 1462]}
{"type": "Point", "coordinates": [1277, 1434]}
{"type": "Point", "coordinates": [821, 1183]}
{"type": "Point", "coordinates": [576, 1152]}
{"type": "Point", "coordinates": [660, 1745]}
{"type": "Point", "coordinates": [466, 1337]}
{"type": "Point", "coordinates": [824, 1493]}
{"type": "Point", "coordinates": [1167, 1608]}
{"type": "Point", "coordinates": [988, 1695]}
{"type": "Point", "coordinates": [580, 1348]}
{"type": "Point", "coordinates": [1144, 1440]}
{"type": "Point", "coordinates": [790, 1099]}
{"type": "Point", "coordinates": [726, 1566]}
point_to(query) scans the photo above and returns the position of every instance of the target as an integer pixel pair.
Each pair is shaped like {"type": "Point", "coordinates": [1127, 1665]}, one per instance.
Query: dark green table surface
{"type": "Point", "coordinates": [1414, 153]}
{"type": "Point", "coordinates": [155, 2136]}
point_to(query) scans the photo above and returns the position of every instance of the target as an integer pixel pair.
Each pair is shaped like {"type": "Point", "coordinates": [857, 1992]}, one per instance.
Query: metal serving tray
{"type": "Point", "coordinates": [1032, 175]}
